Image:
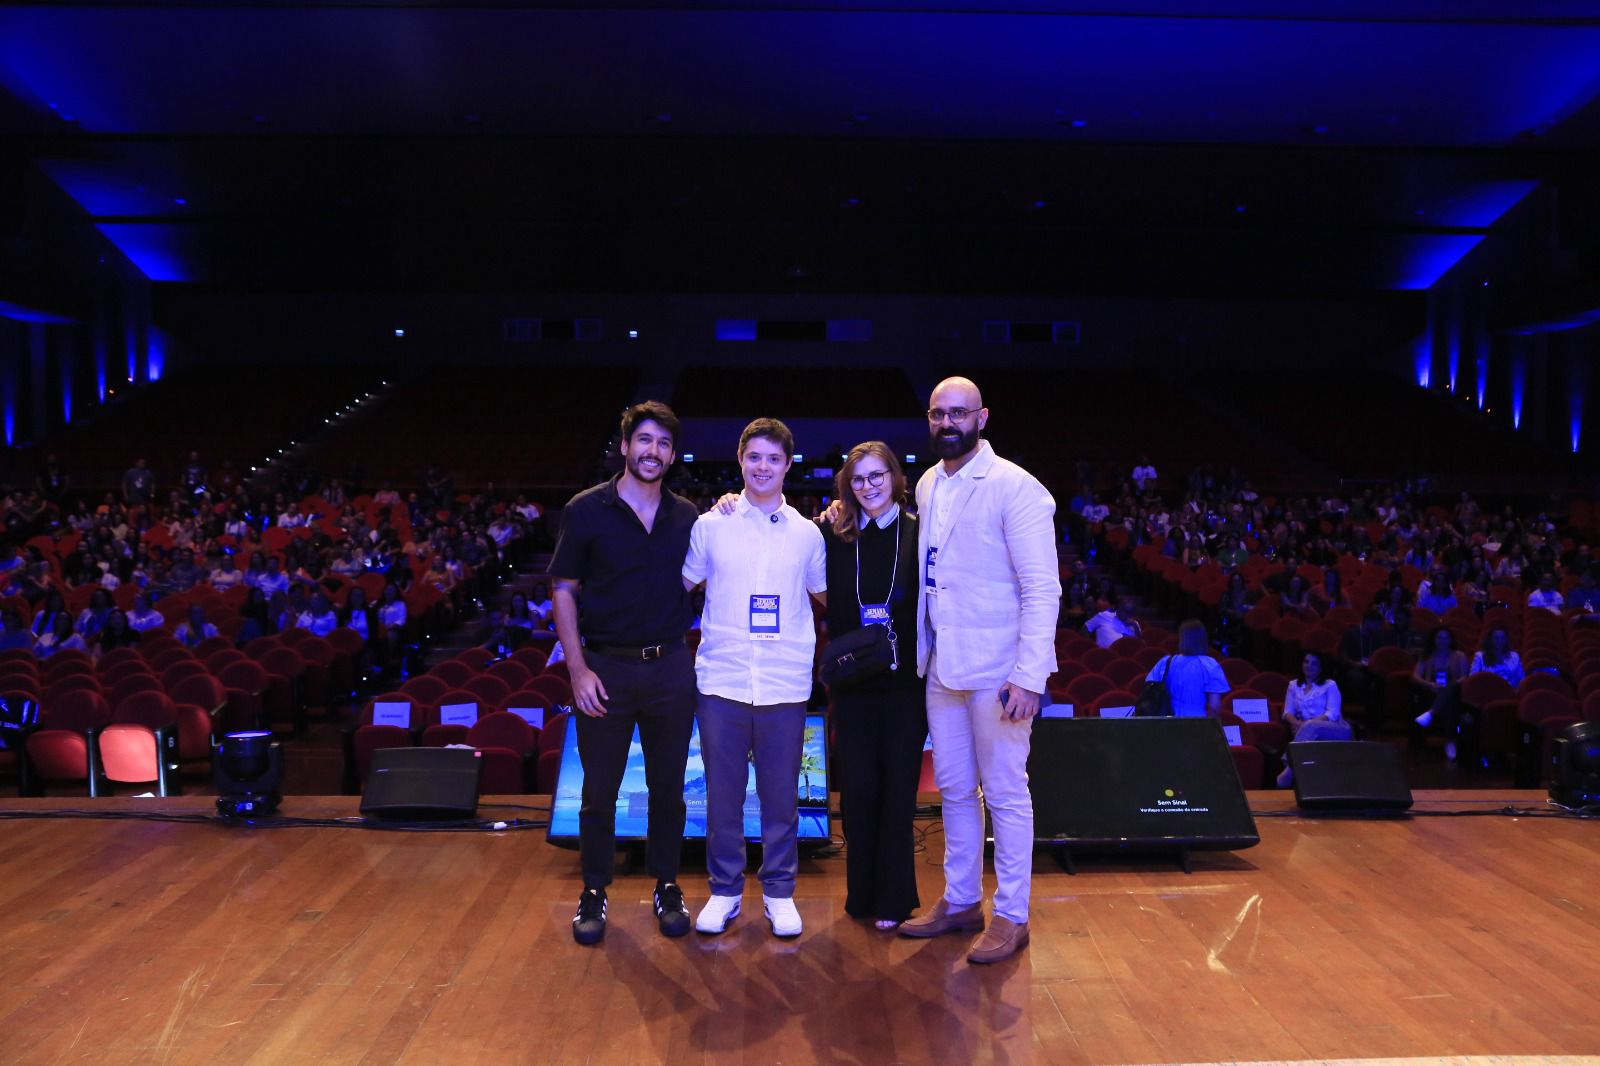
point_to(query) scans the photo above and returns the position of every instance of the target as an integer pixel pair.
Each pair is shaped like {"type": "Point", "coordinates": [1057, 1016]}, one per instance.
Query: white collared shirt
{"type": "Point", "coordinates": [883, 521]}
{"type": "Point", "coordinates": [944, 494]}
{"type": "Point", "coordinates": [741, 556]}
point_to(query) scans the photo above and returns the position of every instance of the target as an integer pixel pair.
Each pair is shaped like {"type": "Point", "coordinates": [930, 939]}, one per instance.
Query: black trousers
{"type": "Point", "coordinates": [658, 697]}
{"type": "Point", "coordinates": [878, 740]}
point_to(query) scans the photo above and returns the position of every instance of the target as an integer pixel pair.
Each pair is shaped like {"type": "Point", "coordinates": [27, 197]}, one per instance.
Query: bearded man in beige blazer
{"type": "Point", "coordinates": [989, 595]}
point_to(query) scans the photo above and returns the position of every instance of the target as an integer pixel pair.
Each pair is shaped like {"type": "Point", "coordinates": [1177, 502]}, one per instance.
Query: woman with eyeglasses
{"type": "Point", "coordinates": [880, 723]}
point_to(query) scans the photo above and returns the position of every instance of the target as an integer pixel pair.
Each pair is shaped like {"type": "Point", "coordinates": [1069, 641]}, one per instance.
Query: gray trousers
{"type": "Point", "coordinates": [732, 736]}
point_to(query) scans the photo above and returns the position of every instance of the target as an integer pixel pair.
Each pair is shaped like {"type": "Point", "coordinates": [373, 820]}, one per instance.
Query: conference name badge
{"type": "Point", "coordinates": [763, 618]}
{"type": "Point", "coordinates": [874, 614]}
{"type": "Point", "coordinates": [927, 579]}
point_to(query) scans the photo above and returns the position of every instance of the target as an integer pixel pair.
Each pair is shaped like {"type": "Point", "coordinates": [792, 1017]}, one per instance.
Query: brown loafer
{"type": "Point", "coordinates": [941, 920]}
{"type": "Point", "coordinates": [1003, 939]}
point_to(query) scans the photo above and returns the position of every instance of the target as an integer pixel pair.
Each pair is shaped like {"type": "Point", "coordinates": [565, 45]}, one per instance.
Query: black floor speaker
{"type": "Point", "coordinates": [1118, 784]}
{"type": "Point", "coordinates": [1349, 775]}
{"type": "Point", "coordinates": [420, 784]}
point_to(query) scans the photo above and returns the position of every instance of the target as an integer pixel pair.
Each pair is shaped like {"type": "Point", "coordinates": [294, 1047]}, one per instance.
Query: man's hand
{"type": "Point", "coordinates": [831, 512]}
{"type": "Point", "coordinates": [587, 691]}
{"type": "Point", "coordinates": [1018, 704]}
{"type": "Point", "coordinates": [727, 503]}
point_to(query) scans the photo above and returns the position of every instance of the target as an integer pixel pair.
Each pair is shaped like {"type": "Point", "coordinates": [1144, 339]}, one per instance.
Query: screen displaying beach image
{"type": "Point", "coordinates": [633, 798]}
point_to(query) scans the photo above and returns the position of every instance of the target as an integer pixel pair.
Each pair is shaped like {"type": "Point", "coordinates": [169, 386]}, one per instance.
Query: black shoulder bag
{"type": "Point", "coordinates": [1156, 699]}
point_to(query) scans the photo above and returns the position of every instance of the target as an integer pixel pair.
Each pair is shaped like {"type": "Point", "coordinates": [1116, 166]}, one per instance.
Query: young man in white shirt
{"type": "Point", "coordinates": [761, 564]}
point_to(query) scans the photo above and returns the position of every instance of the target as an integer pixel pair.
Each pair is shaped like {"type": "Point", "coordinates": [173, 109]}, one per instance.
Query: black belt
{"type": "Point", "coordinates": [638, 653]}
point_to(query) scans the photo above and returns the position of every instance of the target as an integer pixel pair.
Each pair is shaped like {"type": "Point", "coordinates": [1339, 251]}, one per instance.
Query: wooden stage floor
{"type": "Point", "coordinates": [161, 942]}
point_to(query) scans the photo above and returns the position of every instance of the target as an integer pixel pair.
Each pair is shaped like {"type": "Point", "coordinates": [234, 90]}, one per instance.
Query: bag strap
{"type": "Point", "coordinates": [1168, 668]}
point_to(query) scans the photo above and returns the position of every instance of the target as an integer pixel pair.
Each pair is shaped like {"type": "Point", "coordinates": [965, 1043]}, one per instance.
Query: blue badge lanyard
{"type": "Point", "coordinates": [888, 599]}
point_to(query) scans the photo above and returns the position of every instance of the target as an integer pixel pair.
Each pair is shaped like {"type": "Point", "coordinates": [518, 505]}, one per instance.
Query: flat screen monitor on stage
{"type": "Point", "coordinates": [632, 799]}
{"type": "Point", "coordinates": [1131, 783]}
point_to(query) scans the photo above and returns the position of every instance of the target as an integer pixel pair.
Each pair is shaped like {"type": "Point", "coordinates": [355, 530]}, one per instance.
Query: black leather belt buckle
{"type": "Point", "coordinates": [654, 651]}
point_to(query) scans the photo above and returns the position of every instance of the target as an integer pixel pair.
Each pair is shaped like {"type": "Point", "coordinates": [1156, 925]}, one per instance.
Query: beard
{"type": "Point", "coordinates": [639, 474]}
{"type": "Point", "coordinates": [945, 446]}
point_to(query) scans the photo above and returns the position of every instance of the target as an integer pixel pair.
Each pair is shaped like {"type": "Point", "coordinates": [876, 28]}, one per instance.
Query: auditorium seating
{"type": "Point", "coordinates": [480, 682]}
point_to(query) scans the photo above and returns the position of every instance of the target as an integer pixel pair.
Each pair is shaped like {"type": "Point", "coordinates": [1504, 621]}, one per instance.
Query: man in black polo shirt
{"type": "Point", "coordinates": [621, 613]}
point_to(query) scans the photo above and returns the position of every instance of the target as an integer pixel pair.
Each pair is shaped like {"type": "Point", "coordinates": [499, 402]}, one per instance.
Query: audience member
{"type": "Point", "coordinates": [1441, 671]}
{"type": "Point", "coordinates": [317, 615]}
{"type": "Point", "coordinates": [1312, 710]}
{"type": "Point", "coordinates": [1547, 597]}
{"type": "Point", "coordinates": [540, 605]}
{"type": "Point", "coordinates": [1110, 626]}
{"type": "Point", "coordinates": [142, 618]}
{"type": "Point", "coordinates": [1495, 656]}
{"type": "Point", "coordinates": [195, 629]}
{"type": "Point", "coordinates": [498, 636]}
{"type": "Point", "coordinates": [1331, 594]}
{"type": "Point", "coordinates": [359, 615]}
{"type": "Point", "coordinates": [138, 485]}
{"type": "Point", "coordinates": [392, 620]}
{"type": "Point", "coordinates": [1436, 593]}
{"type": "Point", "coordinates": [1295, 600]}
{"type": "Point", "coordinates": [59, 637]}
{"type": "Point", "coordinates": [1194, 679]}
{"type": "Point", "coordinates": [44, 622]}
{"type": "Point", "coordinates": [273, 580]}
{"type": "Point", "coordinates": [93, 617]}
{"type": "Point", "coordinates": [520, 616]}
{"type": "Point", "coordinates": [226, 575]}
{"type": "Point", "coordinates": [1511, 564]}
{"type": "Point", "coordinates": [1144, 474]}
{"type": "Point", "coordinates": [116, 633]}
{"type": "Point", "coordinates": [256, 619]}
{"type": "Point", "coordinates": [15, 632]}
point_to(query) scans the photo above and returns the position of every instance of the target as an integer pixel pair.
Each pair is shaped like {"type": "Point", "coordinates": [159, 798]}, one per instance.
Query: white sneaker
{"type": "Point", "coordinates": [782, 914]}
{"type": "Point", "coordinates": [1425, 719]}
{"type": "Point", "coordinates": [716, 914]}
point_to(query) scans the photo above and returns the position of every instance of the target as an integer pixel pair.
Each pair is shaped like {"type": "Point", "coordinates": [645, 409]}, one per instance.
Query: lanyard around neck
{"type": "Point", "coordinates": [894, 572]}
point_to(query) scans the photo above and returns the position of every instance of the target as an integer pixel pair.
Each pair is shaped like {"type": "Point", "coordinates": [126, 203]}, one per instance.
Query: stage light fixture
{"type": "Point", "coordinates": [1575, 781]}
{"type": "Point", "coordinates": [247, 769]}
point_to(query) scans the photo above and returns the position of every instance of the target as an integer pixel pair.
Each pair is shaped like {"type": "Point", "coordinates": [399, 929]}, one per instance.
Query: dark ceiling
{"type": "Point", "coordinates": [1243, 147]}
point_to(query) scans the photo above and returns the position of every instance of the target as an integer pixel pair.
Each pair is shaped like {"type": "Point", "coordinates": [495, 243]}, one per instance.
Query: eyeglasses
{"type": "Point", "coordinates": [861, 481]}
{"type": "Point", "coordinates": [955, 414]}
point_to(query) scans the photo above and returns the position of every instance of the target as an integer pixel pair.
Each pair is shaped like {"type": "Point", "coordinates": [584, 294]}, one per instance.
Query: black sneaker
{"type": "Point", "coordinates": [671, 912]}
{"type": "Point", "coordinates": [589, 924]}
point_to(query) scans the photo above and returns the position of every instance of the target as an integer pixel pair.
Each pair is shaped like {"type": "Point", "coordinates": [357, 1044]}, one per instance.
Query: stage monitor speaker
{"type": "Point", "coordinates": [420, 784]}
{"type": "Point", "coordinates": [1349, 775]}
{"type": "Point", "coordinates": [1137, 783]}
